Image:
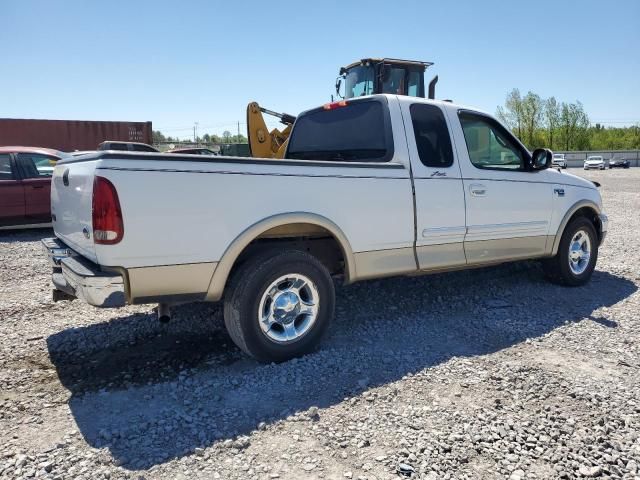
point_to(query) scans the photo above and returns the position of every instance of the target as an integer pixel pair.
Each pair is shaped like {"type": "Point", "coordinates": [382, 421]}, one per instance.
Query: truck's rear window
{"type": "Point", "coordinates": [357, 132]}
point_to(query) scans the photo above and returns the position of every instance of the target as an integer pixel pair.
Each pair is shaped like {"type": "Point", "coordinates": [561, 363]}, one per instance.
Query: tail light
{"type": "Point", "coordinates": [108, 227]}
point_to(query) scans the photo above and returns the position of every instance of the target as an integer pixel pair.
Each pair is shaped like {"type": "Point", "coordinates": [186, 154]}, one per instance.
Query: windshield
{"type": "Point", "coordinates": [558, 155]}
{"type": "Point", "coordinates": [358, 82]}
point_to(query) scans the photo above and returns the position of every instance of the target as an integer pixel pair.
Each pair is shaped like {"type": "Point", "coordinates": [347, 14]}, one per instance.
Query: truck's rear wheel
{"type": "Point", "coordinates": [279, 304]}
{"type": "Point", "coordinates": [577, 254]}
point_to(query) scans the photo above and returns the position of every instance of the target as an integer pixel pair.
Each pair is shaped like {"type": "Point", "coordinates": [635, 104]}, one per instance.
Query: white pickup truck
{"type": "Point", "coordinates": [371, 187]}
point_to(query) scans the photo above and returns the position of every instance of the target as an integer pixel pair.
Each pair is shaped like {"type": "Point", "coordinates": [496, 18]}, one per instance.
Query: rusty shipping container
{"type": "Point", "coordinates": [70, 135]}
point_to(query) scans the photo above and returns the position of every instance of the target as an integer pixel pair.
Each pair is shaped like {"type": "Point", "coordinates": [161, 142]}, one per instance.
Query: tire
{"type": "Point", "coordinates": [558, 269]}
{"type": "Point", "coordinates": [265, 282]}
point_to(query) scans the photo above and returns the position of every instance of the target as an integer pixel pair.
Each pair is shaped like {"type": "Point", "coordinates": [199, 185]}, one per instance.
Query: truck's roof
{"type": "Point", "coordinates": [411, 100]}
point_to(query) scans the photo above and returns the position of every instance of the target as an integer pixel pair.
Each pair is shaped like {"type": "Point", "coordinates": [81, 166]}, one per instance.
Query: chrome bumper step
{"type": "Point", "coordinates": [76, 277]}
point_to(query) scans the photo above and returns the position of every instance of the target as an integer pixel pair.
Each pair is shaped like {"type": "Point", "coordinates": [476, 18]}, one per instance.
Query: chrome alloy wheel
{"type": "Point", "coordinates": [288, 308]}
{"type": "Point", "coordinates": [579, 252]}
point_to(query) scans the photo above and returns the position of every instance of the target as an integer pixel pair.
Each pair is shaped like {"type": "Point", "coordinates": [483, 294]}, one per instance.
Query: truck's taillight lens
{"type": "Point", "coordinates": [334, 105]}
{"type": "Point", "coordinates": [108, 227]}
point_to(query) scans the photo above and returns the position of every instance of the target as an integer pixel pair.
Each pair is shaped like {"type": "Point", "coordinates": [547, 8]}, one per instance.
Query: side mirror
{"type": "Point", "coordinates": [541, 159]}
{"type": "Point", "coordinates": [338, 85]}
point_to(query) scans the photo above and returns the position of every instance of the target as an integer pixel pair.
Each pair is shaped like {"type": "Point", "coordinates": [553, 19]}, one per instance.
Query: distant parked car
{"type": "Point", "coordinates": [619, 163]}
{"type": "Point", "coordinates": [192, 151]}
{"type": "Point", "coordinates": [559, 160]}
{"type": "Point", "coordinates": [594, 162]}
{"type": "Point", "coordinates": [25, 185]}
{"type": "Point", "coordinates": [128, 146]}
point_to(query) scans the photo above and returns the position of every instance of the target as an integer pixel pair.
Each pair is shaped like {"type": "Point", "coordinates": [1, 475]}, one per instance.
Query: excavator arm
{"type": "Point", "coordinates": [264, 143]}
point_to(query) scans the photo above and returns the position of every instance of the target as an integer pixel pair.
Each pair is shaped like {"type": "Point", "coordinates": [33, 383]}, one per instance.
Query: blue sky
{"type": "Point", "coordinates": [176, 63]}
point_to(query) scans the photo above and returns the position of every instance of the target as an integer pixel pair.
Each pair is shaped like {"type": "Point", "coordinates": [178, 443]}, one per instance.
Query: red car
{"type": "Point", "coordinates": [25, 185]}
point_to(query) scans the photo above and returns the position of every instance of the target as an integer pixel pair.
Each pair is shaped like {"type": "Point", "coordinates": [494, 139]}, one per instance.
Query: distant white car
{"type": "Point", "coordinates": [559, 160]}
{"type": "Point", "coordinates": [595, 161]}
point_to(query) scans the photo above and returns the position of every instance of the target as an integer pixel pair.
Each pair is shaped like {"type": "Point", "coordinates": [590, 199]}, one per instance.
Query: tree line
{"type": "Point", "coordinates": [540, 122]}
{"type": "Point", "coordinates": [226, 137]}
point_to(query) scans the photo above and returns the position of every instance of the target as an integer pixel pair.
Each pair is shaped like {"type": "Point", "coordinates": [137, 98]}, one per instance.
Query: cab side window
{"type": "Point", "coordinates": [5, 167]}
{"type": "Point", "coordinates": [490, 146]}
{"type": "Point", "coordinates": [432, 136]}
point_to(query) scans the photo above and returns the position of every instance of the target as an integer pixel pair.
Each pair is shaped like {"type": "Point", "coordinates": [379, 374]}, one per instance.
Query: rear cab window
{"type": "Point", "coordinates": [351, 131]}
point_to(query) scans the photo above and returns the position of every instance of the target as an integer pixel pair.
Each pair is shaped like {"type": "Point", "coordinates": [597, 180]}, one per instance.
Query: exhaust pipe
{"type": "Point", "coordinates": [432, 88]}
{"type": "Point", "coordinates": [164, 312]}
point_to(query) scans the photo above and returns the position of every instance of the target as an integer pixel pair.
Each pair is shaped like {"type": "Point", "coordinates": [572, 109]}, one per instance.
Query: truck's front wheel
{"type": "Point", "coordinates": [577, 254]}
{"type": "Point", "coordinates": [279, 304]}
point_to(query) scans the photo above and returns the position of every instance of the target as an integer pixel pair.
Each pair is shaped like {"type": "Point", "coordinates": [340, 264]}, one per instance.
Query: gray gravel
{"type": "Point", "coordinates": [489, 373]}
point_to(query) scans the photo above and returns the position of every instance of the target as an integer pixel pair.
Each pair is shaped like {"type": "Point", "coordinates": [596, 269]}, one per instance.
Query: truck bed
{"type": "Point", "coordinates": [181, 209]}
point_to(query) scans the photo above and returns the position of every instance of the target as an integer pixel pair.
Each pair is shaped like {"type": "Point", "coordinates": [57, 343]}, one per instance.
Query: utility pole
{"type": "Point", "coordinates": [238, 137]}
{"type": "Point", "coordinates": [195, 133]}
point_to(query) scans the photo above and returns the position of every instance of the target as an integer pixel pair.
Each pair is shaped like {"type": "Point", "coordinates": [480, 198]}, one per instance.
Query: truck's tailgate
{"type": "Point", "coordinates": [71, 204]}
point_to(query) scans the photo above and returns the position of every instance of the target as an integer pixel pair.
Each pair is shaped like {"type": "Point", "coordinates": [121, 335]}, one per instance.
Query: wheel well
{"type": "Point", "coordinates": [314, 239]}
{"type": "Point", "coordinates": [592, 216]}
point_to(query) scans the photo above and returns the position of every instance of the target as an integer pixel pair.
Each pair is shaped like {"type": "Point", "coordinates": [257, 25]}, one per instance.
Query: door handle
{"type": "Point", "coordinates": [478, 190]}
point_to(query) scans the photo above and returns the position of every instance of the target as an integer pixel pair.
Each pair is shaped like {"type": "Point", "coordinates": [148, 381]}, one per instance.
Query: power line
{"type": "Point", "coordinates": [217, 125]}
{"type": "Point", "coordinates": [627, 122]}
{"type": "Point", "coordinates": [226, 126]}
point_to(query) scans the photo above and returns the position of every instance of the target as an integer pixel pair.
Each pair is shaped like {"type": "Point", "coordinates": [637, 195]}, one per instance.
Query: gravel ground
{"type": "Point", "coordinates": [490, 373]}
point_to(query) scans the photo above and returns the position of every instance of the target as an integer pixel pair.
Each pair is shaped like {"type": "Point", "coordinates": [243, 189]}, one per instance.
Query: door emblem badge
{"type": "Point", "coordinates": [438, 174]}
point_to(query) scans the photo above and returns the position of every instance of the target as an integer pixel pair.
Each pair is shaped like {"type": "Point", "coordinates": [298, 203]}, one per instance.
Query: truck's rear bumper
{"type": "Point", "coordinates": [78, 277]}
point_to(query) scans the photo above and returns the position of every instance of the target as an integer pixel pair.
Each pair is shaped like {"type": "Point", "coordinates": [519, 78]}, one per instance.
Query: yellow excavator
{"type": "Point", "coordinates": [364, 77]}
